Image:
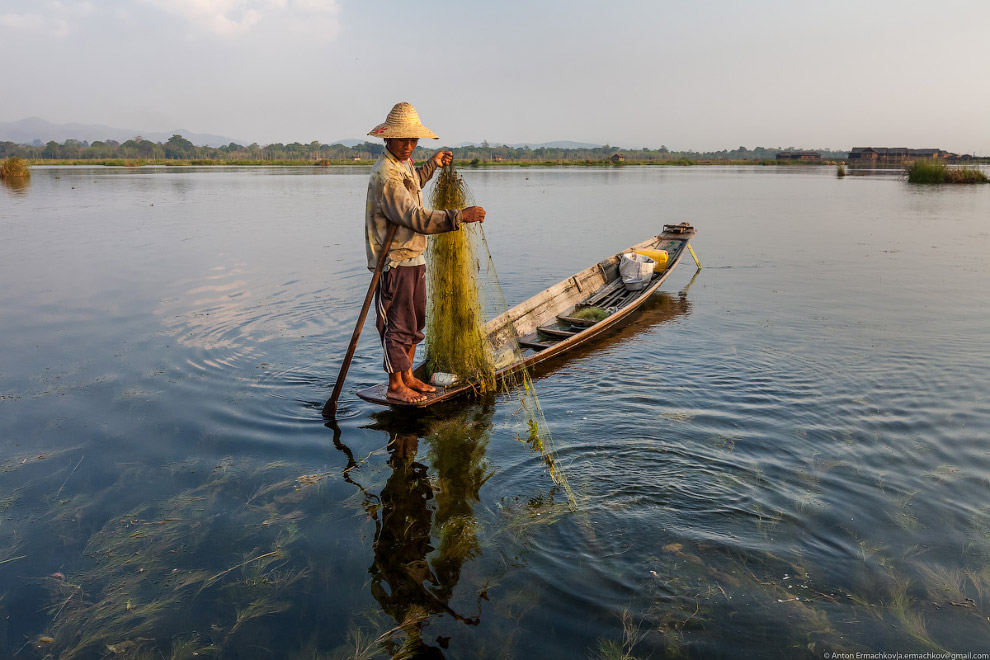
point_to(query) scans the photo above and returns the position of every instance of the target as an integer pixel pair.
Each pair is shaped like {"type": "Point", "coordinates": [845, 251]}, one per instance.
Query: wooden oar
{"type": "Point", "coordinates": [330, 407]}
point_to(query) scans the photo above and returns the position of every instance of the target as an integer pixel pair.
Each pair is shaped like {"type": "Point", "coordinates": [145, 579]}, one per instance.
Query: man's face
{"type": "Point", "coordinates": [401, 148]}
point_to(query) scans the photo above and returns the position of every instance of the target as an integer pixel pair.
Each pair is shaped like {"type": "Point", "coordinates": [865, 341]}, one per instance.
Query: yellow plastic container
{"type": "Point", "coordinates": [659, 256]}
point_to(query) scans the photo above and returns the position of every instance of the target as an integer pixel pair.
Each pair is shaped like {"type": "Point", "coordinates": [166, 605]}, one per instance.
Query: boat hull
{"type": "Point", "coordinates": [534, 318]}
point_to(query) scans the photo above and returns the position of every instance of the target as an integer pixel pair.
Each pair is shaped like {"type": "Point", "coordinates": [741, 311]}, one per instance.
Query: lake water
{"type": "Point", "coordinates": [783, 455]}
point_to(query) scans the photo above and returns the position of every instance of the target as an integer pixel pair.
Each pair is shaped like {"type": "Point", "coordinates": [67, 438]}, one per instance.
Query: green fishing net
{"type": "Point", "coordinates": [454, 320]}
{"type": "Point", "coordinates": [468, 332]}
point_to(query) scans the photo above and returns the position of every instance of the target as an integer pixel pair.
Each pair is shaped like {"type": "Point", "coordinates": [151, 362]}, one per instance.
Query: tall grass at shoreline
{"type": "Point", "coordinates": [936, 171]}
{"type": "Point", "coordinates": [14, 168]}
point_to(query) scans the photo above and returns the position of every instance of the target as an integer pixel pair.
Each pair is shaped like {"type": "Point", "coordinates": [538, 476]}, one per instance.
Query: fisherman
{"type": "Point", "coordinates": [395, 195]}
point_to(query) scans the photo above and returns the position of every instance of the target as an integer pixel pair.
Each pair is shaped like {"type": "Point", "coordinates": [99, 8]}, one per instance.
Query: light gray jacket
{"type": "Point", "coordinates": [395, 194]}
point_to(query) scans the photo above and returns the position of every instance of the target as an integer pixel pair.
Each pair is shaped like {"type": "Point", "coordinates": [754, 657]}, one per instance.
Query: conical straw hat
{"type": "Point", "coordinates": [402, 122]}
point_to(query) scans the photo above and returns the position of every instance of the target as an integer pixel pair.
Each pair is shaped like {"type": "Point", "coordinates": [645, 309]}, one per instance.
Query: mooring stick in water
{"type": "Point", "coordinates": [698, 263]}
{"type": "Point", "coordinates": [330, 407]}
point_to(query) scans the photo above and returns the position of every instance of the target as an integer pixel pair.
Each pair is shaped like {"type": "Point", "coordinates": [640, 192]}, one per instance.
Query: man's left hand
{"type": "Point", "coordinates": [443, 158]}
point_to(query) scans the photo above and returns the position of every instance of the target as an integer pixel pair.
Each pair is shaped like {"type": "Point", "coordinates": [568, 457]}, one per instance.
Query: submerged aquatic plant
{"type": "Point", "coordinates": [455, 323]}
{"type": "Point", "coordinates": [631, 636]}
{"type": "Point", "coordinates": [148, 569]}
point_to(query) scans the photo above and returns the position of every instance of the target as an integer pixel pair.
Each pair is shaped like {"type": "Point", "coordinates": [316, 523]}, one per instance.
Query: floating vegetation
{"type": "Point", "coordinates": [841, 170]}
{"type": "Point", "coordinates": [937, 171]}
{"type": "Point", "coordinates": [455, 322]}
{"type": "Point", "coordinates": [14, 168]}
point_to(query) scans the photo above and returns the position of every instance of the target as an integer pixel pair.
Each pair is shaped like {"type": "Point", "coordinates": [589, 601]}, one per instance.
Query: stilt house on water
{"type": "Point", "coordinates": [895, 155]}
{"type": "Point", "coordinates": [799, 155]}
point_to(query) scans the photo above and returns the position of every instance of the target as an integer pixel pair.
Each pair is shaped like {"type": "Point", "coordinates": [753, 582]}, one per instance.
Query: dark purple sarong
{"type": "Point", "coordinates": [400, 309]}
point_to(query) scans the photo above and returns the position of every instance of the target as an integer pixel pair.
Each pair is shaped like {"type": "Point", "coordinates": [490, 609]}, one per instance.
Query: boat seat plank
{"type": "Point", "coordinates": [535, 345]}
{"type": "Point", "coordinates": [556, 332]}
{"type": "Point", "coordinates": [603, 292]}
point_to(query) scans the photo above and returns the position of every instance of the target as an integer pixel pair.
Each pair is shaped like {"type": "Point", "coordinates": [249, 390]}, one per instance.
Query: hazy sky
{"type": "Point", "coordinates": [691, 75]}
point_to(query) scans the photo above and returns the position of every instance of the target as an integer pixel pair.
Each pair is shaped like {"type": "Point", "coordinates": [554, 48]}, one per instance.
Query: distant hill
{"type": "Point", "coordinates": [559, 144]}
{"type": "Point", "coordinates": [352, 143]}
{"type": "Point", "coordinates": [26, 131]}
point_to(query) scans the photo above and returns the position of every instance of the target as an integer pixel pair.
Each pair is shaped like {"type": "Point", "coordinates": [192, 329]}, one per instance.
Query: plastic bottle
{"type": "Point", "coordinates": [441, 379]}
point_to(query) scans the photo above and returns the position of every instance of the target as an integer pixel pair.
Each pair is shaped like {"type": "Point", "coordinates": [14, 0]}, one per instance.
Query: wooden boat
{"type": "Point", "coordinates": [545, 326]}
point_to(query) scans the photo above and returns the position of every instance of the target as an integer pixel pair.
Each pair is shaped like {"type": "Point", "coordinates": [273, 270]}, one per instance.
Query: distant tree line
{"type": "Point", "coordinates": [177, 148]}
{"type": "Point", "coordinates": [487, 152]}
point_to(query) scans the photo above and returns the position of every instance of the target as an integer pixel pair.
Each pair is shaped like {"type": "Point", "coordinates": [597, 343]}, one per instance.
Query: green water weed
{"type": "Point", "coordinates": [632, 634]}
{"type": "Point", "coordinates": [146, 565]}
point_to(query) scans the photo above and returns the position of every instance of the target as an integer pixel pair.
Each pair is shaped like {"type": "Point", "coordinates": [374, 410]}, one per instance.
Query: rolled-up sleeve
{"type": "Point", "coordinates": [400, 207]}
{"type": "Point", "coordinates": [425, 171]}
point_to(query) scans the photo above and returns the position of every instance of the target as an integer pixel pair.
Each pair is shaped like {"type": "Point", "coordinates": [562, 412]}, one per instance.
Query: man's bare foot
{"type": "Point", "coordinates": [411, 381]}
{"type": "Point", "coordinates": [404, 394]}
{"type": "Point", "coordinates": [414, 383]}
{"type": "Point", "coordinates": [397, 390]}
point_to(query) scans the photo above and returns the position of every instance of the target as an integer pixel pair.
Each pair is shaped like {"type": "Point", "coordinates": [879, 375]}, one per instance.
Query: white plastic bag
{"type": "Point", "coordinates": [636, 270]}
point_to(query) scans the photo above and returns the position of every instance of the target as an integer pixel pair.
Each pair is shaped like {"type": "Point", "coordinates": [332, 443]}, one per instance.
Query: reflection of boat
{"type": "Point", "coordinates": [548, 324]}
{"type": "Point", "coordinates": [661, 307]}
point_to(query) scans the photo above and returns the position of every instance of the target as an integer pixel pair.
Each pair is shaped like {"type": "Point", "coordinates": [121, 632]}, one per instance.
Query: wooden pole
{"type": "Point", "coordinates": [698, 263]}
{"type": "Point", "coordinates": [330, 407]}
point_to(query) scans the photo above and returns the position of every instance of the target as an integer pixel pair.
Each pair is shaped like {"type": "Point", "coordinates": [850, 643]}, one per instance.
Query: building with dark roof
{"type": "Point", "coordinates": [799, 155]}
{"type": "Point", "coordinates": [893, 155]}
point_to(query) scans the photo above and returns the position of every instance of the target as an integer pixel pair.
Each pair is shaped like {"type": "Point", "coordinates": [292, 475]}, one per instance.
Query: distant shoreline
{"type": "Point", "coordinates": [460, 164]}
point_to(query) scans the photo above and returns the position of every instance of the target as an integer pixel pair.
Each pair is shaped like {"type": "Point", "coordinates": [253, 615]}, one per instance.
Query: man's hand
{"type": "Point", "coordinates": [473, 214]}
{"type": "Point", "coordinates": [443, 158]}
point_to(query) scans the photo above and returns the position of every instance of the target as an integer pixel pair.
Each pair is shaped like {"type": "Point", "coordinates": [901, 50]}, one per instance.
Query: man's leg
{"type": "Point", "coordinates": [396, 323]}
{"type": "Point", "coordinates": [411, 381]}
{"type": "Point", "coordinates": [418, 297]}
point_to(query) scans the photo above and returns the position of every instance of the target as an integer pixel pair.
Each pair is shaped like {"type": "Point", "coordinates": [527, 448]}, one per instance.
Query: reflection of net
{"type": "Point", "coordinates": [459, 265]}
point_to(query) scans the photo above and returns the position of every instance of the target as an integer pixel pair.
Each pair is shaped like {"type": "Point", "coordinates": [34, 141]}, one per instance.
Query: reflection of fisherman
{"type": "Point", "coordinates": [400, 571]}
{"type": "Point", "coordinates": [395, 196]}
{"type": "Point", "coordinates": [412, 580]}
